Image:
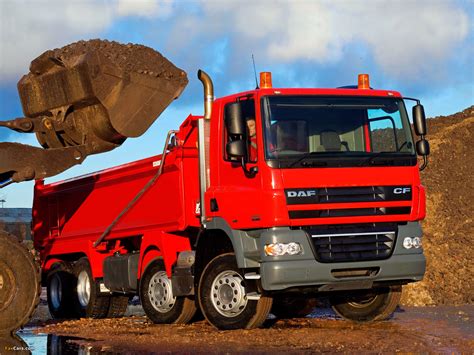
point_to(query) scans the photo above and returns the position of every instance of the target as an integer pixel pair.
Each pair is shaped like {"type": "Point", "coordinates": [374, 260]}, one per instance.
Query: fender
{"type": "Point", "coordinates": [156, 244]}
{"type": "Point", "coordinates": [245, 247]}
{"type": "Point", "coordinates": [48, 264]}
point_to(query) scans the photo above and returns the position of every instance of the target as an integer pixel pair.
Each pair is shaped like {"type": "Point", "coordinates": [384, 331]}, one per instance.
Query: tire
{"type": "Point", "coordinates": [287, 306]}
{"type": "Point", "coordinates": [90, 304]}
{"type": "Point", "coordinates": [368, 305]}
{"type": "Point", "coordinates": [118, 306]}
{"type": "Point", "coordinates": [60, 286]}
{"type": "Point", "coordinates": [157, 299]}
{"type": "Point", "coordinates": [19, 284]}
{"type": "Point", "coordinates": [223, 294]}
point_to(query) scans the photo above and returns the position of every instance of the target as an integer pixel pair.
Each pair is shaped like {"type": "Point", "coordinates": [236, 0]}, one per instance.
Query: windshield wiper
{"type": "Point", "coordinates": [310, 154]}
{"type": "Point", "coordinates": [370, 160]}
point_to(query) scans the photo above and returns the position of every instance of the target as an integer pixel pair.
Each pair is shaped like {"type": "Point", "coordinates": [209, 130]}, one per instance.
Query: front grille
{"type": "Point", "coordinates": [349, 212]}
{"type": "Point", "coordinates": [342, 247]}
{"type": "Point", "coordinates": [347, 194]}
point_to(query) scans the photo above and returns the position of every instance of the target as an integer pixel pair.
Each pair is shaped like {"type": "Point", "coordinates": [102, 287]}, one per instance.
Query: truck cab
{"type": "Point", "coordinates": [323, 196]}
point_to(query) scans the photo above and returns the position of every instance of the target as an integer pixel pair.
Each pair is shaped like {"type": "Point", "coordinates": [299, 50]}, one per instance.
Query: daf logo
{"type": "Point", "coordinates": [307, 193]}
{"type": "Point", "coordinates": [401, 190]}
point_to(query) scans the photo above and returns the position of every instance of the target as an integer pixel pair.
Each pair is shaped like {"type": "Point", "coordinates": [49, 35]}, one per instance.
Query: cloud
{"type": "Point", "coordinates": [403, 37]}
{"type": "Point", "coordinates": [145, 8]}
{"type": "Point", "coordinates": [30, 27]}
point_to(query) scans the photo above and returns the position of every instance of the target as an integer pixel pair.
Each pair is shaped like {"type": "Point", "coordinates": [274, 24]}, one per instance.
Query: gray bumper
{"type": "Point", "coordinates": [279, 273]}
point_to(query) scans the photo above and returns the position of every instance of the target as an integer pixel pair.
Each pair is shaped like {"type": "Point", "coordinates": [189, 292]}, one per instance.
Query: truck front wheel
{"type": "Point", "coordinates": [158, 301]}
{"type": "Point", "coordinates": [368, 305]}
{"type": "Point", "coordinates": [223, 296]}
{"type": "Point", "coordinates": [90, 304]}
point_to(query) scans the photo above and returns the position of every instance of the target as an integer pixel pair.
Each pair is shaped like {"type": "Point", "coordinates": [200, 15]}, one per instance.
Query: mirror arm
{"type": "Point", "coordinates": [249, 172]}
{"type": "Point", "coordinates": [425, 163]}
{"type": "Point", "coordinates": [412, 99]}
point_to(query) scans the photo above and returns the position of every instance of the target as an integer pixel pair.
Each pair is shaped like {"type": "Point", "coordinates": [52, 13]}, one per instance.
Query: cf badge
{"type": "Point", "coordinates": [401, 190]}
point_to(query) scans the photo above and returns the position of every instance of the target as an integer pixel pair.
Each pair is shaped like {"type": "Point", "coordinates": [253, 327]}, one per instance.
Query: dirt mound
{"type": "Point", "coordinates": [449, 224]}
{"type": "Point", "coordinates": [128, 57]}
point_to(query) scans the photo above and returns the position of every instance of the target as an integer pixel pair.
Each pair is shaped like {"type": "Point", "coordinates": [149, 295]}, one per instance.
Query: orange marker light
{"type": "Point", "coordinates": [363, 81]}
{"type": "Point", "coordinates": [265, 80]}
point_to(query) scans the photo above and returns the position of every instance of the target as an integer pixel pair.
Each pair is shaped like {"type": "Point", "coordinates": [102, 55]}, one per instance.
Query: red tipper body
{"type": "Point", "coordinates": [348, 193]}
{"type": "Point", "coordinates": [68, 216]}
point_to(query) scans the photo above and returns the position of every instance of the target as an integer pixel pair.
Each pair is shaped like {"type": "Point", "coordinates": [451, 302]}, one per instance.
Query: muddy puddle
{"type": "Point", "coordinates": [443, 329]}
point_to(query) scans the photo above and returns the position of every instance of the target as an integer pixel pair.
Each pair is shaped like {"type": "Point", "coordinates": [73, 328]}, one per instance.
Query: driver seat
{"type": "Point", "coordinates": [331, 142]}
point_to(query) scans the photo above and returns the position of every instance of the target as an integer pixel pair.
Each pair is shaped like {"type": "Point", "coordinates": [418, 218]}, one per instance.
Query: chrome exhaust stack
{"type": "Point", "coordinates": [204, 141]}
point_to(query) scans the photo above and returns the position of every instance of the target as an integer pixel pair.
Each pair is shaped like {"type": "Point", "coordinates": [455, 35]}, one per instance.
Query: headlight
{"type": "Point", "coordinates": [279, 249]}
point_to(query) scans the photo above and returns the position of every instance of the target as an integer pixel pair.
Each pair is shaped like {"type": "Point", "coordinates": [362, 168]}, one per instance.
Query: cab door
{"type": "Point", "coordinates": [237, 194]}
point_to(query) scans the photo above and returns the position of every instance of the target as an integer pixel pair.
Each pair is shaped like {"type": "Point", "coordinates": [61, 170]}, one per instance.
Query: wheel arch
{"type": "Point", "coordinates": [210, 243]}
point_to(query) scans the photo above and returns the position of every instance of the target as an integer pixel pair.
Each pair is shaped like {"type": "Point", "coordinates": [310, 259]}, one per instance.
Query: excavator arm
{"type": "Point", "coordinates": [85, 98]}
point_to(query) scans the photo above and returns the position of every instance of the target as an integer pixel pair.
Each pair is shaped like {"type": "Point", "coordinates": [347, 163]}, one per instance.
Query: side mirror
{"type": "Point", "coordinates": [423, 147]}
{"type": "Point", "coordinates": [234, 120]}
{"type": "Point", "coordinates": [419, 120]}
{"type": "Point", "coordinates": [237, 149]}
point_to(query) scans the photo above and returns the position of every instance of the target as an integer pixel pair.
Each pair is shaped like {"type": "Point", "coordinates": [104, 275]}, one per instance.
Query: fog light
{"type": "Point", "coordinates": [407, 243]}
{"type": "Point", "coordinates": [279, 249]}
{"type": "Point", "coordinates": [416, 242]}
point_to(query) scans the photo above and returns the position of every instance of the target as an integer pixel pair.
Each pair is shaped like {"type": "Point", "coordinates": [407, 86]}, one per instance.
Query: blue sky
{"type": "Point", "coordinates": [422, 48]}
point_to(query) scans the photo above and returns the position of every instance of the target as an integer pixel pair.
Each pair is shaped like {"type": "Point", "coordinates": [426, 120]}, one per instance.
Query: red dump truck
{"type": "Point", "coordinates": [271, 198]}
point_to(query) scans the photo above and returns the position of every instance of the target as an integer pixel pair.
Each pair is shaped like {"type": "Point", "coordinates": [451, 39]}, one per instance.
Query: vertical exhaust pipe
{"type": "Point", "coordinates": [208, 93]}
{"type": "Point", "coordinates": [203, 142]}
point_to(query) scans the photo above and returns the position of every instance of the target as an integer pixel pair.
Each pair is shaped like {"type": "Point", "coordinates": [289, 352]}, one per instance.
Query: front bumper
{"type": "Point", "coordinates": [280, 273]}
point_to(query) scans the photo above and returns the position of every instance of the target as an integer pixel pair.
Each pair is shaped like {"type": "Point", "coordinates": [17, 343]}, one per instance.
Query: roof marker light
{"type": "Point", "coordinates": [363, 82]}
{"type": "Point", "coordinates": [265, 80]}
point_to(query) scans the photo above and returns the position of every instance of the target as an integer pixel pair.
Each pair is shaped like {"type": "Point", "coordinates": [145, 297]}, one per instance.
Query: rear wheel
{"type": "Point", "coordinates": [19, 284]}
{"type": "Point", "coordinates": [90, 303]}
{"type": "Point", "coordinates": [118, 306]}
{"type": "Point", "coordinates": [223, 296]}
{"type": "Point", "coordinates": [158, 301]}
{"type": "Point", "coordinates": [60, 285]}
{"type": "Point", "coordinates": [367, 305]}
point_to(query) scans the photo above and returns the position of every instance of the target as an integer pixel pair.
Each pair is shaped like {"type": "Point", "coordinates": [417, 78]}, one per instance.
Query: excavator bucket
{"type": "Point", "coordinates": [91, 95]}
{"type": "Point", "coordinates": [132, 84]}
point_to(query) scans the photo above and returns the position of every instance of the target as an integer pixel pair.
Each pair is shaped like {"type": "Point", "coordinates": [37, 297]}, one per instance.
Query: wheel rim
{"type": "Point", "coordinates": [228, 294]}
{"type": "Point", "coordinates": [160, 292]}
{"type": "Point", "coordinates": [55, 291]}
{"type": "Point", "coordinates": [83, 288]}
{"type": "Point", "coordinates": [8, 285]}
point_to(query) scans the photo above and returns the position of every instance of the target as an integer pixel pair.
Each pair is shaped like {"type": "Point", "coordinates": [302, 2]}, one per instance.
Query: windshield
{"type": "Point", "coordinates": [307, 130]}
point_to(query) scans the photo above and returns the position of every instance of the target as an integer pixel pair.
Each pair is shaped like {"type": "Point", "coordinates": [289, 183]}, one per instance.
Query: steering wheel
{"type": "Point", "coordinates": [404, 144]}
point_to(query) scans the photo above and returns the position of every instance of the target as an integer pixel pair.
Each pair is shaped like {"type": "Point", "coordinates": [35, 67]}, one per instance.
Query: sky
{"type": "Point", "coordinates": [422, 48]}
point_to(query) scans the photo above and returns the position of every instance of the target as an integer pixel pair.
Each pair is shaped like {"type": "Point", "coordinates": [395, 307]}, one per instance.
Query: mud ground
{"type": "Point", "coordinates": [449, 223]}
{"type": "Point", "coordinates": [443, 329]}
